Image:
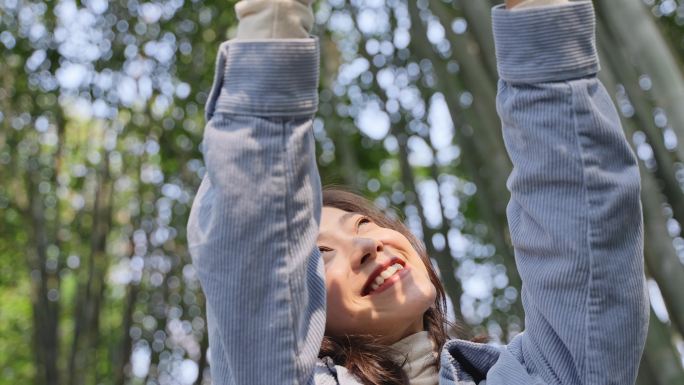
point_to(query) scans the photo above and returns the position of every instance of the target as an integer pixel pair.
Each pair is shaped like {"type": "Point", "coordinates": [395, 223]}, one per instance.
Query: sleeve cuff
{"type": "Point", "coordinates": [269, 77]}
{"type": "Point", "coordinates": [545, 44]}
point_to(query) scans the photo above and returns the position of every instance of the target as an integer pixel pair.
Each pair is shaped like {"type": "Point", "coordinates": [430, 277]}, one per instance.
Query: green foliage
{"type": "Point", "coordinates": [15, 332]}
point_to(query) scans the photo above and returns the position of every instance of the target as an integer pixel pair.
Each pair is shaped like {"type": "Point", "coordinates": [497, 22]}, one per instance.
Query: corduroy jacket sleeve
{"type": "Point", "coordinates": [574, 214]}
{"type": "Point", "coordinates": [254, 222]}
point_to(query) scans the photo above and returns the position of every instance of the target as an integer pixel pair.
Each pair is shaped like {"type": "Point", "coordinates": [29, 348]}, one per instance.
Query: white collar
{"type": "Point", "coordinates": [418, 350]}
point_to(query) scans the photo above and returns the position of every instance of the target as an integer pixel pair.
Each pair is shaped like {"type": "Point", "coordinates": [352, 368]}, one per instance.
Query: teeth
{"type": "Point", "coordinates": [388, 272]}
{"type": "Point", "coordinates": [380, 279]}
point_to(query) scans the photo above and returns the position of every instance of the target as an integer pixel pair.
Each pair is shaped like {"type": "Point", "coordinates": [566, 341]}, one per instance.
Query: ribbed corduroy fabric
{"type": "Point", "coordinates": [255, 218]}
{"type": "Point", "coordinates": [545, 44]}
{"type": "Point", "coordinates": [574, 215]}
{"type": "Point", "coordinates": [291, 79]}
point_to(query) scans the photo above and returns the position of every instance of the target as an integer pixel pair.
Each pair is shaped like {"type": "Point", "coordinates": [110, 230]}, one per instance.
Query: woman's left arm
{"type": "Point", "coordinates": [574, 214]}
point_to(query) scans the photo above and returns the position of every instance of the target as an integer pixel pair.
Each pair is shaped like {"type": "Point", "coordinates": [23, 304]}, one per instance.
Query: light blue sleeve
{"type": "Point", "coordinates": [254, 222]}
{"type": "Point", "coordinates": [574, 214]}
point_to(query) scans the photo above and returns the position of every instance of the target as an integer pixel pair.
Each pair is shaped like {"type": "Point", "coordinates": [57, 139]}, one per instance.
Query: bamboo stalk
{"type": "Point", "coordinates": [661, 356]}
{"type": "Point", "coordinates": [660, 255]}
{"type": "Point", "coordinates": [479, 18]}
{"type": "Point", "coordinates": [636, 32]}
{"type": "Point", "coordinates": [665, 169]}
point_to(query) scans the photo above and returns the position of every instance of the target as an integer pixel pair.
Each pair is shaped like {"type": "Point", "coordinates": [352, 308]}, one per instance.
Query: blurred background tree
{"type": "Point", "coordinates": [101, 119]}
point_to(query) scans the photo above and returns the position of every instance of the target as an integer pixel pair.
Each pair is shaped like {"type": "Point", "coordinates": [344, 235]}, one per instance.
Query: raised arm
{"type": "Point", "coordinates": [254, 222]}
{"type": "Point", "coordinates": [574, 214]}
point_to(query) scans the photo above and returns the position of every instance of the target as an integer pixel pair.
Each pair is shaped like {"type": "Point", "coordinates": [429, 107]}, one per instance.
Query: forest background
{"type": "Point", "coordinates": [101, 118]}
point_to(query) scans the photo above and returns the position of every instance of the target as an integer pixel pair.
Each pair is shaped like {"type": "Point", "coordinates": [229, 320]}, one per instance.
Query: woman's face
{"type": "Point", "coordinates": [376, 282]}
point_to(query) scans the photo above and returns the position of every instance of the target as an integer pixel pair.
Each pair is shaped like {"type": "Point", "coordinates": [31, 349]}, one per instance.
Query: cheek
{"type": "Point", "coordinates": [346, 311]}
{"type": "Point", "coordinates": [424, 292]}
{"type": "Point", "coordinates": [339, 308]}
{"type": "Point", "coordinates": [334, 286]}
{"type": "Point", "coordinates": [428, 292]}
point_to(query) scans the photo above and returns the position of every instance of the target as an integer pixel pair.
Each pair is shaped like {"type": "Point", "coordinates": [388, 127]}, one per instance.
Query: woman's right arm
{"type": "Point", "coordinates": [254, 221]}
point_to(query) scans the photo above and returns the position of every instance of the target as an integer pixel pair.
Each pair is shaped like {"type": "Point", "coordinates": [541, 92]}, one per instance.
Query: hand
{"type": "Point", "coordinates": [512, 3]}
{"type": "Point", "coordinates": [274, 19]}
{"type": "Point", "coordinates": [532, 3]}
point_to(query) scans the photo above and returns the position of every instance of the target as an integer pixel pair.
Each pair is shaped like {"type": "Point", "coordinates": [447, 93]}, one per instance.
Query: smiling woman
{"type": "Point", "coordinates": [381, 288]}
{"type": "Point", "coordinates": [378, 282]}
{"type": "Point", "coordinates": [312, 287]}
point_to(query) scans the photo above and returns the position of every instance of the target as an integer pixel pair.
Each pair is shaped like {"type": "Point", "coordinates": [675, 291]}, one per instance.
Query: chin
{"type": "Point", "coordinates": [392, 317]}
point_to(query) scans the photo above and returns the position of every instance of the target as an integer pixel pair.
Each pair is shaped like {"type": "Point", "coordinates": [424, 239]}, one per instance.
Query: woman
{"type": "Point", "coordinates": [288, 281]}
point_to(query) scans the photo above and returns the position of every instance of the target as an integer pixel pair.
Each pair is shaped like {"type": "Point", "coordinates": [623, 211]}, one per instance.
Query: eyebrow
{"type": "Point", "coordinates": [346, 216]}
{"type": "Point", "coordinates": [340, 221]}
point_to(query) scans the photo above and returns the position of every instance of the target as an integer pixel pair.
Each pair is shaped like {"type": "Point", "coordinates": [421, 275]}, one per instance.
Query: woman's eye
{"type": "Point", "coordinates": [363, 221]}
{"type": "Point", "coordinates": [326, 256]}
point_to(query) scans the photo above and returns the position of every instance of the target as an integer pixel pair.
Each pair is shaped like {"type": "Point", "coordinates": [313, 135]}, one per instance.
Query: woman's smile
{"type": "Point", "coordinates": [381, 273]}
{"type": "Point", "coordinates": [398, 274]}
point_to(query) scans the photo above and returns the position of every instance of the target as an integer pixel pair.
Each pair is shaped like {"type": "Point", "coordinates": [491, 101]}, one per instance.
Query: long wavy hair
{"type": "Point", "coordinates": [366, 358]}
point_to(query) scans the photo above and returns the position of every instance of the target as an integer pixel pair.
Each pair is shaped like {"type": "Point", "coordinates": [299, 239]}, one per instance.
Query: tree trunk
{"type": "Point", "coordinates": [44, 282]}
{"type": "Point", "coordinates": [665, 169]}
{"type": "Point", "coordinates": [124, 350]}
{"type": "Point", "coordinates": [637, 33]}
{"type": "Point", "coordinates": [90, 295]}
{"type": "Point", "coordinates": [660, 255]}
{"type": "Point", "coordinates": [203, 364]}
{"type": "Point", "coordinates": [479, 17]}
{"type": "Point", "coordinates": [659, 364]}
{"type": "Point", "coordinates": [346, 153]}
{"type": "Point", "coordinates": [645, 375]}
{"type": "Point", "coordinates": [661, 356]}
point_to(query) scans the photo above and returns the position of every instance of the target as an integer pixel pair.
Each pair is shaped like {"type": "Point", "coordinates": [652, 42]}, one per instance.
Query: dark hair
{"type": "Point", "coordinates": [366, 358]}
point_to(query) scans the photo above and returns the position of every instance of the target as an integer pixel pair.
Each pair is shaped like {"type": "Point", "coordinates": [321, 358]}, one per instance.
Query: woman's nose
{"type": "Point", "coordinates": [367, 250]}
